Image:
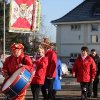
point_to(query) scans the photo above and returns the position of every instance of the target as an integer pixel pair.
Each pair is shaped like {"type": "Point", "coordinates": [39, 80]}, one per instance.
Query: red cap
{"type": "Point", "coordinates": [17, 46]}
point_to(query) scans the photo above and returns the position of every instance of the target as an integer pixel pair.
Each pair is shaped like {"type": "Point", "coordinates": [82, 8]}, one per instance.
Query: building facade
{"type": "Point", "coordinates": [80, 27]}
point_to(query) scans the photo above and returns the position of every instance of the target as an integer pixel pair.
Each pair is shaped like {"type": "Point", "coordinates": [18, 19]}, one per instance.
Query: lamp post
{"type": "Point", "coordinates": [4, 32]}
{"type": "Point", "coordinates": [3, 28]}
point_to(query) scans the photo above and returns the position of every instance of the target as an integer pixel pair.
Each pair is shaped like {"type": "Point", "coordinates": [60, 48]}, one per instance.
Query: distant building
{"type": "Point", "coordinates": [80, 27]}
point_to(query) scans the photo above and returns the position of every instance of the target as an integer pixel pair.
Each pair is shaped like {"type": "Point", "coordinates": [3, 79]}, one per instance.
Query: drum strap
{"type": "Point", "coordinates": [23, 60]}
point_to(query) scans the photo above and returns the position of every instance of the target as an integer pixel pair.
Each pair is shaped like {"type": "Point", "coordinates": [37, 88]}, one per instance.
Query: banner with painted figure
{"type": "Point", "coordinates": [22, 16]}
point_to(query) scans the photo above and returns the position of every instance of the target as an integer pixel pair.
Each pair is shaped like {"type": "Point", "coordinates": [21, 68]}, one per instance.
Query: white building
{"type": "Point", "coordinates": [80, 27]}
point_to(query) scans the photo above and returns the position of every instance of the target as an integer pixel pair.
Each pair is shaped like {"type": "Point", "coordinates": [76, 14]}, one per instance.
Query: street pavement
{"type": "Point", "coordinates": [70, 91]}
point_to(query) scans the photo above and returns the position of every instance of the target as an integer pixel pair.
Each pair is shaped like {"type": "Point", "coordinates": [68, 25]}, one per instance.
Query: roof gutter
{"type": "Point", "coordinates": [76, 22]}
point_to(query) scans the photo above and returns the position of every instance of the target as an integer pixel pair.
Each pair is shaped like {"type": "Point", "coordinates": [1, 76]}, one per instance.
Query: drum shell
{"type": "Point", "coordinates": [20, 83]}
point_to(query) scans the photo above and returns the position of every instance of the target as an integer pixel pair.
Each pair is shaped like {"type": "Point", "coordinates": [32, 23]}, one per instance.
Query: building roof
{"type": "Point", "coordinates": [89, 10]}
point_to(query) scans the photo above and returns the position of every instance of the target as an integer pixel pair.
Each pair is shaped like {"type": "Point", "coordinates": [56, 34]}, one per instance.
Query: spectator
{"type": "Point", "coordinates": [57, 81]}
{"type": "Point", "coordinates": [85, 70]}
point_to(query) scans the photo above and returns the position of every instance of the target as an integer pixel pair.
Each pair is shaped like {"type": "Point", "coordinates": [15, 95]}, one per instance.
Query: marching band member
{"type": "Point", "coordinates": [84, 70]}
{"type": "Point", "coordinates": [50, 72]}
{"type": "Point", "coordinates": [39, 77]}
{"type": "Point", "coordinates": [15, 61]}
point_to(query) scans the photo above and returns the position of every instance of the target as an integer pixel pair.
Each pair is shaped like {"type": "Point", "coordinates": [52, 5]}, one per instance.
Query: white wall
{"type": "Point", "coordinates": [69, 36]}
{"type": "Point", "coordinates": [68, 41]}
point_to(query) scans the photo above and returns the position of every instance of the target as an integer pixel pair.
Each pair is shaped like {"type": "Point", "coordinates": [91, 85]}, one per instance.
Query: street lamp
{"type": "Point", "coordinates": [3, 29]}
{"type": "Point", "coordinates": [4, 32]}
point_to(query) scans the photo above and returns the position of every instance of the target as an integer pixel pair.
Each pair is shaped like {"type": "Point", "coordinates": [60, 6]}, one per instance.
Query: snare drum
{"type": "Point", "coordinates": [18, 82]}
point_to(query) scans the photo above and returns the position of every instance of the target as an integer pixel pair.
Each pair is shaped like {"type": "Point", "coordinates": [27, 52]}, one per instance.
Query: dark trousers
{"type": "Point", "coordinates": [47, 89]}
{"type": "Point", "coordinates": [54, 94]}
{"type": "Point", "coordinates": [89, 89]}
{"type": "Point", "coordinates": [95, 86]}
{"type": "Point", "coordinates": [84, 90]}
{"type": "Point", "coordinates": [7, 98]}
{"type": "Point", "coordinates": [35, 91]}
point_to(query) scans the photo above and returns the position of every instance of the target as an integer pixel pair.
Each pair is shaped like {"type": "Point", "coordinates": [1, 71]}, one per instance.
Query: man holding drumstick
{"type": "Point", "coordinates": [15, 61]}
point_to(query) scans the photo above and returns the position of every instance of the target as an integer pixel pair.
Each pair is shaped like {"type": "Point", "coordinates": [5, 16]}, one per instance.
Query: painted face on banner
{"type": "Point", "coordinates": [23, 10]}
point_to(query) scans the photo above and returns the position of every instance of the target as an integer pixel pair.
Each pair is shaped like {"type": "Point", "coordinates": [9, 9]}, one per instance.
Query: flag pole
{"type": "Point", "coordinates": [4, 32]}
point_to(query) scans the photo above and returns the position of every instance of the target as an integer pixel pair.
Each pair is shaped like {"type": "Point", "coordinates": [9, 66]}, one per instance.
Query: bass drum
{"type": "Point", "coordinates": [18, 82]}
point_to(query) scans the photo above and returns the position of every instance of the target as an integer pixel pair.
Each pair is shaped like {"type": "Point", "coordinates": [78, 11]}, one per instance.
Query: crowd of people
{"type": "Point", "coordinates": [45, 66]}
{"type": "Point", "coordinates": [47, 69]}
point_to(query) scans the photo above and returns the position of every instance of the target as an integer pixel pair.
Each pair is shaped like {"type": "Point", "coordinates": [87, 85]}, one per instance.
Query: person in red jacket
{"type": "Point", "coordinates": [85, 70]}
{"type": "Point", "coordinates": [50, 72]}
{"type": "Point", "coordinates": [39, 77]}
{"type": "Point", "coordinates": [15, 61]}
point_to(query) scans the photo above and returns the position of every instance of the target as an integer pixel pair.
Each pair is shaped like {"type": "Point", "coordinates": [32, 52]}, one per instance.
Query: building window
{"type": "Point", "coordinates": [94, 38]}
{"type": "Point", "coordinates": [79, 37]}
{"type": "Point", "coordinates": [76, 27]}
{"type": "Point", "coordinates": [94, 27]}
{"type": "Point", "coordinates": [74, 55]}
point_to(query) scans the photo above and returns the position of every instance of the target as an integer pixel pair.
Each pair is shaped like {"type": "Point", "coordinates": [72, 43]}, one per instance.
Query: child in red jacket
{"type": "Point", "coordinates": [39, 77]}
{"type": "Point", "coordinates": [47, 88]}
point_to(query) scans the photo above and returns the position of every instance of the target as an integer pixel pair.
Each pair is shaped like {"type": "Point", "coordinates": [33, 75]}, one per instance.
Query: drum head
{"type": "Point", "coordinates": [11, 79]}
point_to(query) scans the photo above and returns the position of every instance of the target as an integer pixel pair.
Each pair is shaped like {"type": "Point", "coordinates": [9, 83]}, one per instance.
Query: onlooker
{"type": "Point", "coordinates": [57, 81]}
{"type": "Point", "coordinates": [15, 61]}
{"type": "Point", "coordinates": [96, 58]}
{"type": "Point", "coordinates": [85, 70]}
{"type": "Point", "coordinates": [50, 72]}
{"type": "Point", "coordinates": [39, 77]}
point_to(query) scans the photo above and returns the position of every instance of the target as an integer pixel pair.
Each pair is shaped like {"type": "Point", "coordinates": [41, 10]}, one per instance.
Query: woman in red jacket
{"type": "Point", "coordinates": [85, 70]}
{"type": "Point", "coordinates": [39, 77]}
{"type": "Point", "coordinates": [13, 62]}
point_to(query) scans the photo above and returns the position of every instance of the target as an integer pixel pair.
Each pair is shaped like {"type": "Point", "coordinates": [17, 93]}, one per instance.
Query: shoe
{"type": "Point", "coordinates": [89, 96]}
{"type": "Point", "coordinates": [95, 96]}
{"type": "Point", "coordinates": [83, 98]}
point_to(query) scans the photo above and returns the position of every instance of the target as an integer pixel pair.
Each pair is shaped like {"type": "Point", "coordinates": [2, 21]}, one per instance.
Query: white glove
{"type": "Point", "coordinates": [60, 78]}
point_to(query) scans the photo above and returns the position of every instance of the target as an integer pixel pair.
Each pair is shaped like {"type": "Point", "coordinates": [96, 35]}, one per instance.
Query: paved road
{"type": "Point", "coordinates": [70, 91]}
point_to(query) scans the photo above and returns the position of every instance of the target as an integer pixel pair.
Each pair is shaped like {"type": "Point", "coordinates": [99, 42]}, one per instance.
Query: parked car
{"type": "Point", "coordinates": [65, 71]}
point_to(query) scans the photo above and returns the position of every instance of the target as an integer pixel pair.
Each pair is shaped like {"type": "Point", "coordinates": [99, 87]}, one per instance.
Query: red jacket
{"type": "Point", "coordinates": [41, 66]}
{"type": "Point", "coordinates": [11, 64]}
{"type": "Point", "coordinates": [52, 61]}
{"type": "Point", "coordinates": [85, 70]}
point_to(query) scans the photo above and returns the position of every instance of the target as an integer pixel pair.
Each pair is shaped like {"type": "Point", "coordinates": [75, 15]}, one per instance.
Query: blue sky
{"type": "Point", "coordinates": [54, 9]}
